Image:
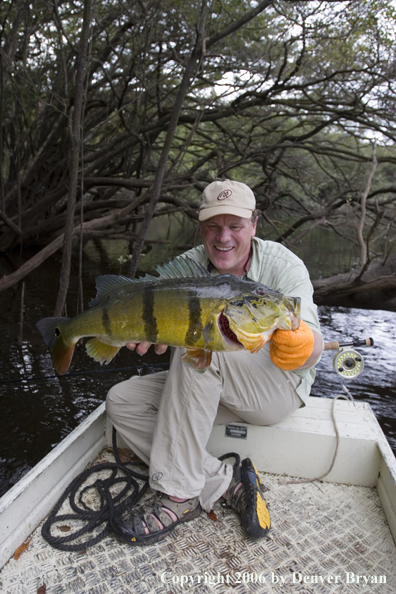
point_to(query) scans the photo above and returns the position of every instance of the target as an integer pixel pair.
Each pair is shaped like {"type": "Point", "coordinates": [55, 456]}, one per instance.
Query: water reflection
{"type": "Point", "coordinates": [376, 383]}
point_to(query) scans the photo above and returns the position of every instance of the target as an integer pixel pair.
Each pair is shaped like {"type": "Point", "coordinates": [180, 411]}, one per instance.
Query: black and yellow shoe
{"type": "Point", "coordinates": [245, 496]}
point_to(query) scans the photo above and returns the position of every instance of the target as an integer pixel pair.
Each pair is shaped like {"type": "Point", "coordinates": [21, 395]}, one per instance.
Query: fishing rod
{"type": "Point", "coordinates": [137, 367]}
{"type": "Point", "coordinates": [348, 362]}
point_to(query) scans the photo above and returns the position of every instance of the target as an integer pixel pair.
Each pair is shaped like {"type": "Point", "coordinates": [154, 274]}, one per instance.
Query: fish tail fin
{"type": "Point", "coordinates": [101, 352]}
{"type": "Point", "coordinates": [61, 349]}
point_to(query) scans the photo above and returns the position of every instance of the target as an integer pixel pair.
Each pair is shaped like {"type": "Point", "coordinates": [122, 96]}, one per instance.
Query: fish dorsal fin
{"type": "Point", "coordinates": [108, 283]}
{"type": "Point", "coordinates": [182, 267]}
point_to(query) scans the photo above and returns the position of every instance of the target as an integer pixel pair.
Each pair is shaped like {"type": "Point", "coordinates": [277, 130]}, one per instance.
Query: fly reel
{"type": "Point", "coordinates": [348, 362]}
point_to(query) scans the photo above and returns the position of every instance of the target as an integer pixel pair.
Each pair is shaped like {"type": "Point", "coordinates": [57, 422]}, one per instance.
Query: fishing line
{"type": "Point", "coordinates": [139, 368]}
{"type": "Point", "coordinates": [327, 346]}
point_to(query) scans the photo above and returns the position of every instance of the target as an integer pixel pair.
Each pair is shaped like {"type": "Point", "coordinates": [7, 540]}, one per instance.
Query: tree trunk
{"type": "Point", "coordinates": [375, 289]}
{"type": "Point", "coordinates": [9, 280]}
{"type": "Point", "coordinates": [75, 143]}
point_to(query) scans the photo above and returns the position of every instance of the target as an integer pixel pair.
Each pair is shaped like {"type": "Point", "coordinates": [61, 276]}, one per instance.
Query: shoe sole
{"type": "Point", "coordinates": [256, 520]}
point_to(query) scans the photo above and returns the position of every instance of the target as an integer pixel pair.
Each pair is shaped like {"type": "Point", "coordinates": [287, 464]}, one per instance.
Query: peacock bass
{"type": "Point", "coordinates": [183, 307]}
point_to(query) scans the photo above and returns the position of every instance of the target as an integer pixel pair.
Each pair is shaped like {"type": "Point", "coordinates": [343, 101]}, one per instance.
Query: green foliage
{"type": "Point", "coordinates": [290, 102]}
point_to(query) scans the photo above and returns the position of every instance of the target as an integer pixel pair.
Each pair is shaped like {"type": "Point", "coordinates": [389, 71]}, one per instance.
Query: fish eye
{"type": "Point", "coordinates": [260, 291]}
{"type": "Point", "coordinates": [57, 332]}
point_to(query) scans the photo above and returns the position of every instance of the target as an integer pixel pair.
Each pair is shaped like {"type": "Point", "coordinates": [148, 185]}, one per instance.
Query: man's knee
{"type": "Point", "coordinates": [113, 401]}
{"type": "Point", "coordinates": [135, 396]}
{"type": "Point", "coordinates": [120, 396]}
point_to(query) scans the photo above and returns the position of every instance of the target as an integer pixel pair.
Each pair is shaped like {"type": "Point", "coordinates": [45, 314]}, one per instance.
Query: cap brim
{"type": "Point", "coordinates": [207, 213]}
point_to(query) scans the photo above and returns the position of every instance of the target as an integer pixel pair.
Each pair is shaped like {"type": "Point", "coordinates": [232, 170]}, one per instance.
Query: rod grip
{"type": "Point", "coordinates": [334, 346]}
{"type": "Point", "coordinates": [331, 346]}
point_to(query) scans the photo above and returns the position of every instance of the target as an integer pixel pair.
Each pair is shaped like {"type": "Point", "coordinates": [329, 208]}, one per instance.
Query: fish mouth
{"type": "Point", "coordinates": [294, 321]}
{"type": "Point", "coordinates": [228, 335]}
{"type": "Point", "coordinates": [293, 304]}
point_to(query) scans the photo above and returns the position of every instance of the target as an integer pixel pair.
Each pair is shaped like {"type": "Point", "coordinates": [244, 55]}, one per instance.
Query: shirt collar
{"type": "Point", "coordinates": [246, 266]}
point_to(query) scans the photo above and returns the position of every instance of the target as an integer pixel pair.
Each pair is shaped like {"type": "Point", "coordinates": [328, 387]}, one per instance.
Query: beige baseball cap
{"type": "Point", "coordinates": [227, 197]}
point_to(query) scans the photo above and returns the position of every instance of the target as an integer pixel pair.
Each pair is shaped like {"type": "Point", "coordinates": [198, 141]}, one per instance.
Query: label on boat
{"type": "Point", "coordinates": [238, 431]}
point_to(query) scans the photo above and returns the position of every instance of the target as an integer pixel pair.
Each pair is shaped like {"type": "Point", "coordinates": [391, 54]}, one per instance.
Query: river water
{"type": "Point", "coordinates": [38, 409]}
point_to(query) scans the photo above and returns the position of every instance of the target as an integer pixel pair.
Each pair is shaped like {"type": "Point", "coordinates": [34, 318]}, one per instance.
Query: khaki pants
{"type": "Point", "coordinates": [166, 418]}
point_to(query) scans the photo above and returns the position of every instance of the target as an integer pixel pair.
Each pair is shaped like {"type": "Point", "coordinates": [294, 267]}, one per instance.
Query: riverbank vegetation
{"type": "Point", "coordinates": [112, 113]}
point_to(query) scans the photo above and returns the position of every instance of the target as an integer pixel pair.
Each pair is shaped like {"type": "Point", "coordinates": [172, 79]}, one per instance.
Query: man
{"type": "Point", "coordinates": [167, 418]}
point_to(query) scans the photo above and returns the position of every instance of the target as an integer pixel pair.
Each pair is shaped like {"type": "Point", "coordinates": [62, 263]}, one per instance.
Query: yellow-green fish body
{"type": "Point", "coordinates": [201, 313]}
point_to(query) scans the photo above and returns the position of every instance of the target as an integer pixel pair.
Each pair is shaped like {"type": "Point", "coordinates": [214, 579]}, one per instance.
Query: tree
{"type": "Point", "coordinates": [287, 96]}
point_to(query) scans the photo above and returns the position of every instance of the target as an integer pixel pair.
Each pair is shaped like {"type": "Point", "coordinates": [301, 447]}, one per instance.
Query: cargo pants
{"type": "Point", "coordinates": [166, 418]}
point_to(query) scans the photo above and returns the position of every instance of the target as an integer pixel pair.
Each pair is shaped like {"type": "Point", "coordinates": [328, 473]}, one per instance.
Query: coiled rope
{"type": "Point", "coordinates": [109, 504]}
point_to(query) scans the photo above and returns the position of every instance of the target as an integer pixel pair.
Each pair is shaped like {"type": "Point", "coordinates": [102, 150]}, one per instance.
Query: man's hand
{"type": "Point", "coordinates": [142, 347]}
{"type": "Point", "coordinates": [291, 349]}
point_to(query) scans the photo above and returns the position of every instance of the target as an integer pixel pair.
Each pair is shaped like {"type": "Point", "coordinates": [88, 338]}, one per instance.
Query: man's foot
{"type": "Point", "coordinates": [245, 496]}
{"type": "Point", "coordinates": [152, 524]}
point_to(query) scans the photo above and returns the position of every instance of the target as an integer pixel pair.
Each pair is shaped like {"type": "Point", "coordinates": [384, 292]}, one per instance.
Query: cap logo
{"type": "Point", "coordinates": [224, 194]}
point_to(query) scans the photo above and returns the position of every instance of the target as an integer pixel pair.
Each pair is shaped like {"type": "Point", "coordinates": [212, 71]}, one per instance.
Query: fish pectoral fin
{"type": "Point", "coordinates": [199, 359]}
{"type": "Point", "coordinates": [101, 352]}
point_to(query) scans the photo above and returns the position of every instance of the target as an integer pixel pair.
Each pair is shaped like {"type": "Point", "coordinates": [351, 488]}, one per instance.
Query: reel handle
{"type": "Point", "coordinates": [334, 346]}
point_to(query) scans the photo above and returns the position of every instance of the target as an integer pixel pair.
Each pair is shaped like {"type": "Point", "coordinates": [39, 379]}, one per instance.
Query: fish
{"type": "Point", "coordinates": [184, 306]}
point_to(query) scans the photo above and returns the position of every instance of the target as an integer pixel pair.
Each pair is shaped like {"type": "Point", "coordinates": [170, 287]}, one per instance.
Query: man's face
{"type": "Point", "coordinates": [227, 241]}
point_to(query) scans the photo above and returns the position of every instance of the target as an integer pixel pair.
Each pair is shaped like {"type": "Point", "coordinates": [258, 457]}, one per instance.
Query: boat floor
{"type": "Point", "coordinates": [324, 538]}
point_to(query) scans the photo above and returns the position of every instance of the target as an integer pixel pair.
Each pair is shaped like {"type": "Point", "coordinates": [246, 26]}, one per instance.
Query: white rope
{"type": "Point", "coordinates": [348, 396]}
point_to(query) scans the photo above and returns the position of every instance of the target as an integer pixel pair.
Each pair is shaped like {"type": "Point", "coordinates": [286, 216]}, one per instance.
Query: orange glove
{"type": "Point", "coordinates": [290, 349]}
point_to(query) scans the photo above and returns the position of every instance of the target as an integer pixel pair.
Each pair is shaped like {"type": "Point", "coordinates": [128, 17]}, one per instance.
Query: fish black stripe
{"type": "Point", "coordinates": [106, 321]}
{"type": "Point", "coordinates": [194, 330]}
{"type": "Point", "coordinates": [149, 319]}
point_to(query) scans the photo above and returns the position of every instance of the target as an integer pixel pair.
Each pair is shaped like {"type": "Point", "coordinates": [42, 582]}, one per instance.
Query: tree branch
{"type": "Point", "coordinates": [75, 141]}
{"type": "Point", "coordinates": [363, 200]}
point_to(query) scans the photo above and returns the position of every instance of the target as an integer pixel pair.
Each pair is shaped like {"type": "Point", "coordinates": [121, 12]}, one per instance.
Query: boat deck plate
{"type": "Point", "coordinates": [325, 538]}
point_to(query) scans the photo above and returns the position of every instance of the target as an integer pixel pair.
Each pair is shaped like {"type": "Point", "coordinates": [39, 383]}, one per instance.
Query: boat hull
{"type": "Point", "coordinates": [301, 446]}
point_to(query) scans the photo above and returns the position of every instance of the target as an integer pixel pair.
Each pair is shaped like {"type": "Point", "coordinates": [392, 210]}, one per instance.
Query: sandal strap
{"type": "Point", "coordinates": [149, 524]}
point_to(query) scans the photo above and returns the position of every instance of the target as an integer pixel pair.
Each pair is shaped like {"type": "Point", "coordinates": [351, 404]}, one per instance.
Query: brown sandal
{"type": "Point", "coordinates": [150, 525]}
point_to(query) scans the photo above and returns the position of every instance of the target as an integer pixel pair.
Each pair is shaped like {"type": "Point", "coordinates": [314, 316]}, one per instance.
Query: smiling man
{"type": "Point", "coordinates": [228, 223]}
{"type": "Point", "coordinates": [167, 418]}
{"type": "Point", "coordinates": [227, 240]}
